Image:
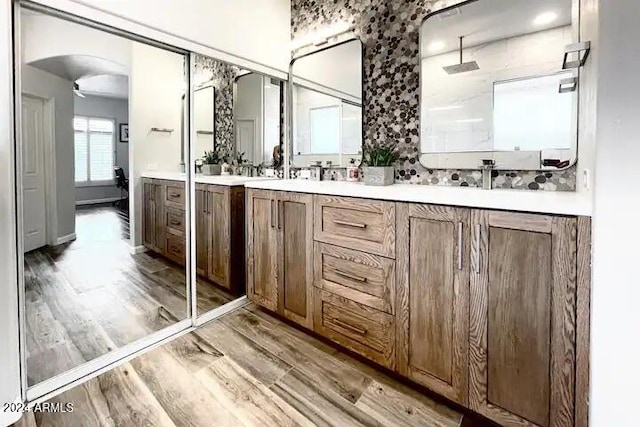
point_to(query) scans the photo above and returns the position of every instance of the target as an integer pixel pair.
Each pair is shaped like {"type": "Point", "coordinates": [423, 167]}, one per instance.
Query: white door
{"type": "Point", "coordinates": [33, 179]}
{"type": "Point", "coordinates": [245, 138]}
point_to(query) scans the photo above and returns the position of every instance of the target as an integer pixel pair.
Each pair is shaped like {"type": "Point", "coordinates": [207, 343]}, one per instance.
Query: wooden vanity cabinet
{"type": "Point", "coordinates": [522, 332]}
{"type": "Point", "coordinates": [280, 253]}
{"type": "Point", "coordinates": [152, 217]}
{"type": "Point", "coordinates": [433, 297]}
{"type": "Point", "coordinates": [220, 235]}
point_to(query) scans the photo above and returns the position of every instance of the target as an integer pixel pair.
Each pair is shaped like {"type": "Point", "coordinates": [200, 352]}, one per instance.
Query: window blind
{"type": "Point", "coordinates": [94, 149]}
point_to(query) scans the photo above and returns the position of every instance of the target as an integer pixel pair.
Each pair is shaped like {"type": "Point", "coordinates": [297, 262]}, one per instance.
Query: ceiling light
{"type": "Point", "coordinates": [545, 18]}
{"type": "Point", "coordinates": [436, 46]}
{"type": "Point", "coordinates": [470, 121]}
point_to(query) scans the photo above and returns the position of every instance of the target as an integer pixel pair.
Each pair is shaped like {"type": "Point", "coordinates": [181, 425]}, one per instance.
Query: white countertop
{"type": "Point", "coordinates": [552, 202]}
{"type": "Point", "coordinates": [228, 180]}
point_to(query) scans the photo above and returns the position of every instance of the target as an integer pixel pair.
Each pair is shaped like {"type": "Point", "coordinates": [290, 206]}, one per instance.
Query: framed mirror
{"type": "Point", "coordinates": [326, 110]}
{"type": "Point", "coordinates": [493, 85]}
{"type": "Point", "coordinates": [102, 276]}
{"type": "Point", "coordinates": [238, 117]}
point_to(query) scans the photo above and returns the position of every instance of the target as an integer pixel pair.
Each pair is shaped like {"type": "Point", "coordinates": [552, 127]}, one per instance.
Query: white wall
{"type": "Point", "coordinates": [107, 108]}
{"type": "Point", "coordinates": [9, 353]}
{"type": "Point", "coordinates": [615, 327]}
{"type": "Point", "coordinates": [44, 85]}
{"type": "Point", "coordinates": [46, 36]}
{"type": "Point", "coordinates": [156, 87]}
{"type": "Point", "coordinates": [257, 31]}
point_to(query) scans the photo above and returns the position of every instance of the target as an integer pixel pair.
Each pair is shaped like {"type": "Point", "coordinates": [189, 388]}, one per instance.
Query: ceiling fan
{"type": "Point", "coordinates": [76, 90]}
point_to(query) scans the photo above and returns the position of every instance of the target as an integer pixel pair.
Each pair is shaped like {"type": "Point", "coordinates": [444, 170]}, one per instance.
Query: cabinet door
{"type": "Point", "coordinates": [262, 248]}
{"type": "Point", "coordinates": [522, 320]}
{"type": "Point", "coordinates": [203, 221]}
{"type": "Point", "coordinates": [149, 215]}
{"type": "Point", "coordinates": [219, 235]}
{"type": "Point", "coordinates": [433, 297]}
{"type": "Point", "coordinates": [159, 227]}
{"type": "Point", "coordinates": [295, 226]}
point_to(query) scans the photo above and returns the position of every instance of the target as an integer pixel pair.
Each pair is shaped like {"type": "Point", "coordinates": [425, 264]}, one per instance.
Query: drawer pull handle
{"type": "Point", "coordinates": [174, 195]}
{"type": "Point", "coordinates": [349, 327]}
{"type": "Point", "coordinates": [350, 224]}
{"type": "Point", "coordinates": [174, 222]}
{"type": "Point", "coordinates": [351, 276]}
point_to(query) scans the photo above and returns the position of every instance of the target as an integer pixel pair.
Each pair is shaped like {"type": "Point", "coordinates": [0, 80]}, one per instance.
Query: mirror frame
{"type": "Point", "coordinates": [462, 159]}
{"type": "Point", "coordinates": [349, 37]}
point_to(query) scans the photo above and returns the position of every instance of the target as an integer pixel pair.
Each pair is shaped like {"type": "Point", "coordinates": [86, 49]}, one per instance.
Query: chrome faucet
{"type": "Point", "coordinates": [487, 167]}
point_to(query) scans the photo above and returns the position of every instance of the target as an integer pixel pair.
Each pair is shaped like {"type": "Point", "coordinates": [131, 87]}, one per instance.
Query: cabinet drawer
{"type": "Point", "coordinates": [358, 276]}
{"type": "Point", "coordinates": [175, 194]}
{"type": "Point", "coordinates": [175, 219]}
{"type": "Point", "coordinates": [362, 329]}
{"type": "Point", "coordinates": [175, 249]}
{"type": "Point", "coordinates": [365, 225]}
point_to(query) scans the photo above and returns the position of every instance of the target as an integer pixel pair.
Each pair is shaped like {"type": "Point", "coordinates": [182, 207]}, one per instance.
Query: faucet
{"type": "Point", "coordinates": [487, 167]}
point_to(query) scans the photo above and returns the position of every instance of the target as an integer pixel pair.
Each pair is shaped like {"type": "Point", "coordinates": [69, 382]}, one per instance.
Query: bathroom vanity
{"type": "Point", "coordinates": [219, 222]}
{"type": "Point", "coordinates": [479, 296]}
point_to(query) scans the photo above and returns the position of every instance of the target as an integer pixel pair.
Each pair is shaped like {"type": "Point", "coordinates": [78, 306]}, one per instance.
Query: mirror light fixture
{"type": "Point", "coordinates": [545, 18]}
{"type": "Point", "coordinates": [321, 36]}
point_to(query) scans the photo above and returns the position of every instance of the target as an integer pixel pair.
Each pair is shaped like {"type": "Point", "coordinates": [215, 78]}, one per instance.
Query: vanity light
{"type": "Point", "coordinates": [446, 108]}
{"type": "Point", "coordinates": [321, 36]}
{"type": "Point", "coordinates": [545, 18]}
{"type": "Point", "coordinates": [470, 121]}
{"type": "Point", "coordinates": [436, 46]}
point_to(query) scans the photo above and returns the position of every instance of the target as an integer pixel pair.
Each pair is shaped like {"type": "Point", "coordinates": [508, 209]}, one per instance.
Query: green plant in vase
{"type": "Point", "coordinates": [380, 160]}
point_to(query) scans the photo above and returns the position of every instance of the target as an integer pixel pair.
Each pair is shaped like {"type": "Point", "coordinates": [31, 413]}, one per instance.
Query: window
{"type": "Point", "coordinates": [94, 149]}
{"type": "Point", "coordinates": [325, 129]}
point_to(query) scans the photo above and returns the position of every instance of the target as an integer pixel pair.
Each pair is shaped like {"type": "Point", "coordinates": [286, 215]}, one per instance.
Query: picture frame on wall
{"type": "Point", "coordinates": [124, 132]}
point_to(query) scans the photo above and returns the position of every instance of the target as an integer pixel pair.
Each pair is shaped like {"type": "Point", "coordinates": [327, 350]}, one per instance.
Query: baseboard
{"type": "Point", "coordinates": [65, 239]}
{"type": "Point", "coordinates": [137, 249]}
{"type": "Point", "coordinates": [97, 201]}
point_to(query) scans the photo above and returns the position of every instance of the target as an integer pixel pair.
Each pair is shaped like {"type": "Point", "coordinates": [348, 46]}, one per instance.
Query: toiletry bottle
{"type": "Point", "coordinates": [353, 172]}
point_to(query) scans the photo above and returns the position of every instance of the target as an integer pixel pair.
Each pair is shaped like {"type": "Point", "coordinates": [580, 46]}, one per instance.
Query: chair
{"type": "Point", "coordinates": [122, 182]}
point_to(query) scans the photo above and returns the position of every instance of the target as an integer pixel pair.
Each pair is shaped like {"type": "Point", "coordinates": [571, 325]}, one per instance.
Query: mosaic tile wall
{"type": "Point", "coordinates": [222, 75]}
{"type": "Point", "coordinates": [390, 30]}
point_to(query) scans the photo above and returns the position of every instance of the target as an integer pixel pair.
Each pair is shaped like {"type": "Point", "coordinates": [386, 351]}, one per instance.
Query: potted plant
{"type": "Point", "coordinates": [380, 162]}
{"type": "Point", "coordinates": [211, 160]}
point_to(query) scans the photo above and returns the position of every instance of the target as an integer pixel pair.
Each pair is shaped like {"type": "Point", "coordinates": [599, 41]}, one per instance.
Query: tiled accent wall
{"type": "Point", "coordinates": [390, 32]}
{"type": "Point", "coordinates": [223, 75]}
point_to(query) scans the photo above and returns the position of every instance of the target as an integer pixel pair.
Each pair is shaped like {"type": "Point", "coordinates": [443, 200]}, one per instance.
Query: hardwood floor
{"type": "Point", "coordinates": [90, 296]}
{"type": "Point", "coordinates": [246, 368]}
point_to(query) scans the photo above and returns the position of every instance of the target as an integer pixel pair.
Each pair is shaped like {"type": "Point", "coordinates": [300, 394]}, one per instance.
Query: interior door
{"type": "Point", "coordinates": [433, 247]}
{"type": "Point", "coordinates": [522, 318]}
{"type": "Point", "coordinates": [246, 137]}
{"type": "Point", "coordinates": [33, 173]}
{"type": "Point", "coordinates": [295, 233]}
{"type": "Point", "coordinates": [262, 248]}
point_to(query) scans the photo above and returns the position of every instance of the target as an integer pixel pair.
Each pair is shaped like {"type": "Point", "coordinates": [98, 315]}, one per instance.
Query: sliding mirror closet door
{"type": "Point", "coordinates": [237, 116]}
{"type": "Point", "coordinates": [104, 196]}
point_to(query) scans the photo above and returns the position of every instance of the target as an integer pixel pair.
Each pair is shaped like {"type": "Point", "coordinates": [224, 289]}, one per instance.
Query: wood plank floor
{"type": "Point", "coordinates": [90, 296]}
{"type": "Point", "coordinates": [245, 369]}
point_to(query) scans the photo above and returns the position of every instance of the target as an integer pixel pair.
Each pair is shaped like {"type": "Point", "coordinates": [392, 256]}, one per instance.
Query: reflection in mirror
{"type": "Point", "coordinates": [115, 107]}
{"type": "Point", "coordinates": [491, 78]}
{"type": "Point", "coordinates": [246, 119]}
{"type": "Point", "coordinates": [327, 106]}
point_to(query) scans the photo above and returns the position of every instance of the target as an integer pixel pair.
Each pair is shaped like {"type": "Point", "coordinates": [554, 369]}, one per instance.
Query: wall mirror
{"type": "Point", "coordinates": [238, 129]}
{"type": "Point", "coordinates": [101, 115]}
{"type": "Point", "coordinates": [326, 111]}
{"type": "Point", "coordinates": [493, 85]}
